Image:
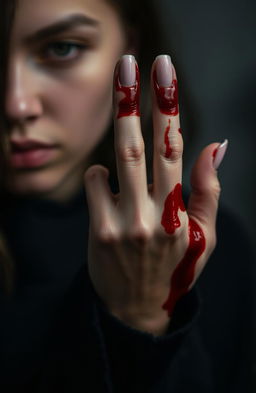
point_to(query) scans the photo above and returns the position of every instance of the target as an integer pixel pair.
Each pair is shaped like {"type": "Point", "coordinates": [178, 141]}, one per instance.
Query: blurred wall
{"type": "Point", "coordinates": [213, 45]}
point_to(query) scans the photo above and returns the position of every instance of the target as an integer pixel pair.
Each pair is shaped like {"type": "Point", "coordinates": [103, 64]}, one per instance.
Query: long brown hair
{"type": "Point", "coordinates": [7, 267]}
{"type": "Point", "coordinates": [138, 16]}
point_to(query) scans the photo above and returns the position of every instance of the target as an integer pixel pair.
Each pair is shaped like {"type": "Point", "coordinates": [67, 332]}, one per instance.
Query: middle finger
{"type": "Point", "coordinates": [168, 142]}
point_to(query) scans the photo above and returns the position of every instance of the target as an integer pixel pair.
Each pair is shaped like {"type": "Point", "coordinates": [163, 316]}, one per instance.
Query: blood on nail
{"type": "Point", "coordinates": [129, 105]}
{"type": "Point", "coordinates": [167, 97]}
{"type": "Point", "coordinates": [214, 152]}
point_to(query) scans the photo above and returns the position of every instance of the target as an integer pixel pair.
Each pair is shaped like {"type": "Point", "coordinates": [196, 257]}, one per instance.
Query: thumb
{"type": "Point", "coordinates": [204, 197]}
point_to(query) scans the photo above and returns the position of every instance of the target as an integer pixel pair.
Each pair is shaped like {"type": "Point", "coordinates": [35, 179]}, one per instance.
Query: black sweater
{"type": "Point", "coordinates": [56, 336]}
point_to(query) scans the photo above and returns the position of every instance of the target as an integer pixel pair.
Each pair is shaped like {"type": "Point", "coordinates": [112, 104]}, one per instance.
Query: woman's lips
{"type": "Point", "coordinates": [30, 154]}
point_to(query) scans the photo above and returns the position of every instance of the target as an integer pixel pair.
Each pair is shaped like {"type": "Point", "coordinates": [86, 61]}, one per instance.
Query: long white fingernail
{"type": "Point", "coordinates": [219, 154]}
{"type": "Point", "coordinates": [127, 71]}
{"type": "Point", "coordinates": [164, 70]}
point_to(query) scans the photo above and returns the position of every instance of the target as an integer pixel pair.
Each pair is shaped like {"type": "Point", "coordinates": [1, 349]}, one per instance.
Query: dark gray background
{"type": "Point", "coordinates": [213, 45]}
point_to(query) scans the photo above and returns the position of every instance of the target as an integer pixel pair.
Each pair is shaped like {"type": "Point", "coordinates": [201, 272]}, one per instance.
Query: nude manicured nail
{"type": "Point", "coordinates": [164, 70]}
{"type": "Point", "coordinates": [127, 71]}
{"type": "Point", "coordinates": [219, 154]}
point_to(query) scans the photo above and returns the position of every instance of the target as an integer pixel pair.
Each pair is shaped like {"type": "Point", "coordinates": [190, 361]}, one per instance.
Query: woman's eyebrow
{"type": "Point", "coordinates": [59, 27]}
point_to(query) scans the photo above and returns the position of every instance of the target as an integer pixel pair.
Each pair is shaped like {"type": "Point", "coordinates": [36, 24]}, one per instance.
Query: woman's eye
{"type": "Point", "coordinates": [61, 51]}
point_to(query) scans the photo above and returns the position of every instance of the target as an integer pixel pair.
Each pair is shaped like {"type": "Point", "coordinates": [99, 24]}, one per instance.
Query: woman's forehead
{"type": "Point", "coordinates": [31, 14]}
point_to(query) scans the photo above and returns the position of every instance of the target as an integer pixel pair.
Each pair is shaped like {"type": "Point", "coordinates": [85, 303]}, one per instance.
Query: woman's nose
{"type": "Point", "coordinates": [22, 100]}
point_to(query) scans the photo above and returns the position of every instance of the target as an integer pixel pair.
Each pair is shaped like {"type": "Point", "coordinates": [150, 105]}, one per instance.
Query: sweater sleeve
{"type": "Point", "coordinates": [139, 361]}
{"type": "Point", "coordinates": [91, 348]}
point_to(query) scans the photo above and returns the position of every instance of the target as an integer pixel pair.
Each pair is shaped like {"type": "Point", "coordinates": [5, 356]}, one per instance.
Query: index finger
{"type": "Point", "coordinates": [129, 144]}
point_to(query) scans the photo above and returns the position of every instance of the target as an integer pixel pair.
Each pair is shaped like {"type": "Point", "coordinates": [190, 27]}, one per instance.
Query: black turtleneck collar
{"type": "Point", "coordinates": [47, 239]}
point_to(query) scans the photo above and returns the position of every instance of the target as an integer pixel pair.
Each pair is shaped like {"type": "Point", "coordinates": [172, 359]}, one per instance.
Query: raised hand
{"type": "Point", "coordinates": [146, 250]}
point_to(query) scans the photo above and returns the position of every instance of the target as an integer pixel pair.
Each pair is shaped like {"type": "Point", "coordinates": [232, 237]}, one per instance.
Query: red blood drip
{"type": "Point", "coordinates": [184, 273]}
{"type": "Point", "coordinates": [129, 105]}
{"type": "Point", "coordinates": [167, 97]}
{"type": "Point", "coordinates": [174, 202]}
{"type": "Point", "coordinates": [214, 152]}
{"type": "Point", "coordinates": [180, 130]}
{"type": "Point", "coordinates": [167, 141]}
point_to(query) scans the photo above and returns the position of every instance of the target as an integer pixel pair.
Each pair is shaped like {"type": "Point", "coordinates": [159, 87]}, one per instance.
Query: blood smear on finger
{"type": "Point", "coordinates": [184, 273]}
{"type": "Point", "coordinates": [130, 104]}
{"type": "Point", "coordinates": [173, 203]}
{"type": "Point", "coordinates": [168, 151]}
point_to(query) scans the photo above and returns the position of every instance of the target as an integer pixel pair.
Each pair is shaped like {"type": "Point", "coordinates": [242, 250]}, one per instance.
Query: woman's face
{"type": "Point", "coordinates": [59, 92]}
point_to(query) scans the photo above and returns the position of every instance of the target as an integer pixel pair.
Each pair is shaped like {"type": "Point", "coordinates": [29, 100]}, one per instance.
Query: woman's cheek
{"type": "Point", "coordinates": [89, 113]}
{"type": "Point", "coordinates": [80, 103]}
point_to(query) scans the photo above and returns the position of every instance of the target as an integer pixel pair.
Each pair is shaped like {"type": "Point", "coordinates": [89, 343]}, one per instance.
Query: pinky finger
{"type": "Point", "coordinates": [203, 201]}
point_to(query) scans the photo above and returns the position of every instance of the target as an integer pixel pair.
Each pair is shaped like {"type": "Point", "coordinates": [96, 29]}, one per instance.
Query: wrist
{"type": "Point", "coordinates": [156, 326]}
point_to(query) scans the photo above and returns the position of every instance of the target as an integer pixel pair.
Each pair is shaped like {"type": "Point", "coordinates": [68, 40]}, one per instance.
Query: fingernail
{"type": "Point", "coordinates": [219, 154]}
{"type": "Point", "coordinates": [127, 71]}
{"type": "Point", "coordinates": [166, 86]}
{"type": "Point", "coordinates": [164, 70]}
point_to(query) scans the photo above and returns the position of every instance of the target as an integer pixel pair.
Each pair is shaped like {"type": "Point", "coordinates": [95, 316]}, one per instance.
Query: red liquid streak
{"type": "Point", "coordinates": [214, 152]}
{"type": "Point", "coordinates": [180, 130]}
{"type": "Point", "coordinates": [167, 141]}
{"type": "Point", "coordinates": [167, 97]}
{"type": "Point", "coordinates": [129, 105]}
{"type": "Point", "coordinates": [184, 273]}
{"type": "Point", "coordinates": [174, 202]}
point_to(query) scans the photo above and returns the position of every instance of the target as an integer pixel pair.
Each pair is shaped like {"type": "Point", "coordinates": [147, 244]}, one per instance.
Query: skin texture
{"type": "Point", "coordinates": [132, 259]}
{"type": "Point", "coordinates": [68, 105]}
{"type": "Point", "coordinates": [141, 262]}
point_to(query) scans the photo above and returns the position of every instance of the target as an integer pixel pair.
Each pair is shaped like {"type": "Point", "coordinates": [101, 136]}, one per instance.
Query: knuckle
{"type": "Point", "coordinates": [179, 233]}
{"type": "Point", "coordinates": [163, 235]}
{"type": "Point", "coordinates": [140, 233]}
{"type": "Point", "coordinates": [107, 235]}
{"type": "Point", "coordinates": [208, 189]}
{"type": "Point", "coordinates": [174, 154]}
{"type": "Point", "coordinates": [216, 189]}
{"type": "Point", "coordinates": [132, 153]}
